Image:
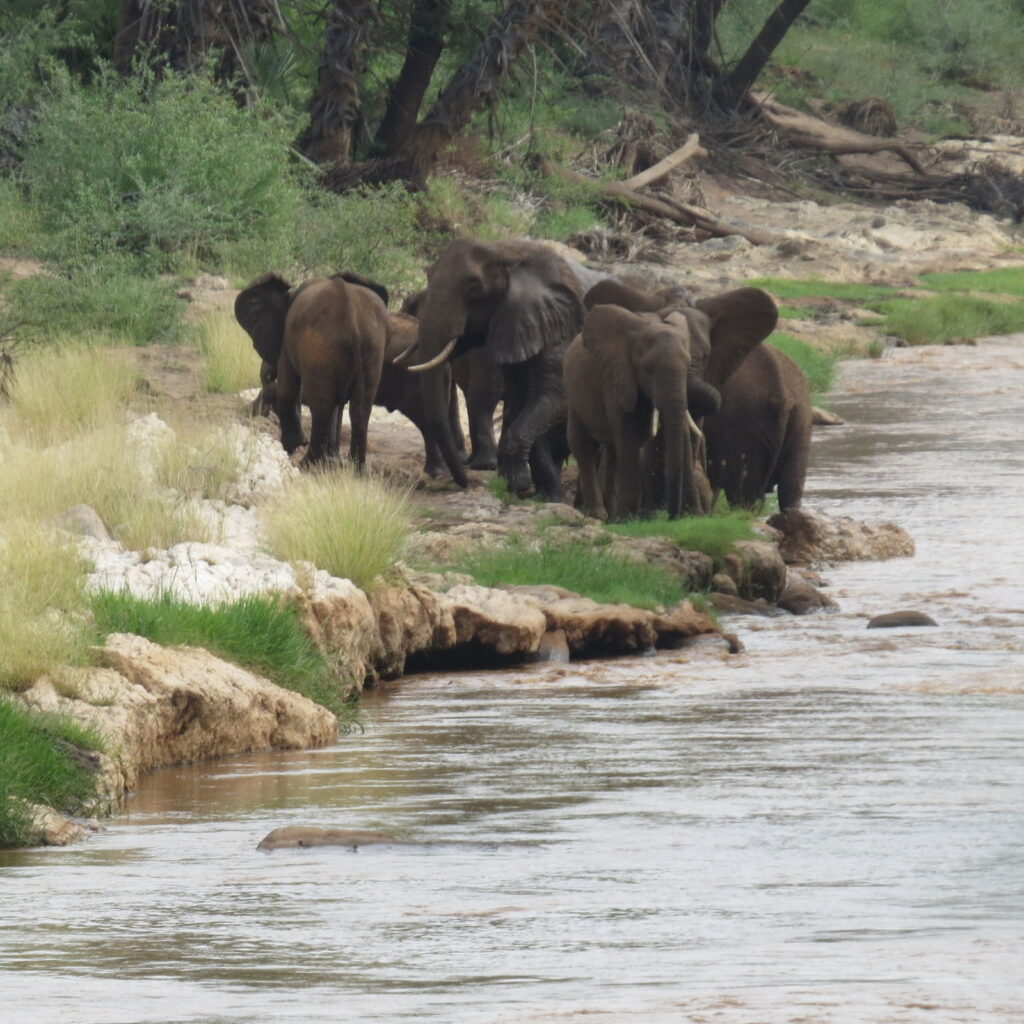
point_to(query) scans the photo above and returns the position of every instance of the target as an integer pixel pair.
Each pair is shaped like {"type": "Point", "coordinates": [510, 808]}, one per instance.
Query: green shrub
{"type": "Point", "coordinates": [262, 633]}
{"type": "Point", "coordinates": [589, 571]}
{"type": "Point", "coordinates": [1002, 281]}
{"type": "Point", "coordinates": [19, 223]}
{"type": "Point", "coordinates": [39, 766]}
{"type": "Point", "coordinates": [714, 535]}
{"type": "Point", "coordinates": [786, 288]}
{"type": "Point", "coordinates": [105, 298]}
{"type": "Point", "coordinates": [163, 171]}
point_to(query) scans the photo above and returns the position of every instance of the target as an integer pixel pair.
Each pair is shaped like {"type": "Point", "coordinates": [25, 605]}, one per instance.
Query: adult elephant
{"type": "Point", "coordinates": [760, 438]}
{"type": "Point", "coordinates": [326, 338]}
{"type": "Point", "coordinates": [523, 302]}
{"type": "Point", "coordinates": [613, 291]}
{"type": "Point", "coordinates": [481, 381]}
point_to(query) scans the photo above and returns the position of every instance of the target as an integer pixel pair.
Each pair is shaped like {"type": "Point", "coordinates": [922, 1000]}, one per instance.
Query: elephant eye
{"type": "Point", "coordinates": [474, 290]}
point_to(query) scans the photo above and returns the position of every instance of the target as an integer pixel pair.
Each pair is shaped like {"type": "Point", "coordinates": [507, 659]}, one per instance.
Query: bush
{"type": "Point", "coordinates": [41, 602]}
{"type": "Point", "coordinates": [106, 298]}
{"type": "Point", "coordinates": [162, 171]}
{"type": "Point", "coordinates": [39, 766]}
{"type": "Point", "coordinates": [261, 633]}
{"type": "Point", "coordinates": [353, 527]}
{"type": "Point", "coordinates": [588, 571]}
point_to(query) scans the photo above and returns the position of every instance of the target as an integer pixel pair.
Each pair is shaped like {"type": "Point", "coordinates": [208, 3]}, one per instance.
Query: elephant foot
{"type": "Point", "coordinates": [485, 460]}
{"type": "Point", "coordinates": [518, 480]}
{"type": "Point", "coordinates": [293, 444]}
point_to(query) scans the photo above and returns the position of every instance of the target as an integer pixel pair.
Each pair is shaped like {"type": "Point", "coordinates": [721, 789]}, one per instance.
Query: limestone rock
{"type": "Point", "coordinates": [729, 605]}
{"type": "Point", "coordinates": [161, 706]}
{"type": "Point", "coordinates": [554, 648]}
{"type": "Point", "coordinates": [800, 597]}
{"type": "Point", "coordinates": [83, 521]}
{"type": "Point", "coordinates": [341, 621]}
{"type": "Point", "coordinates": [409, 620]}
{"type": "Point", "coordinates": [824, 418]}
{"type": "Point", "coordinates": [593, 629]}
{"type": "Point", "coordinates": [891, 620]}
{"type": "Point", "coordinates": [509, 625]}
{"type": "Point", "coordinates": [51, 828]}
{"type": "Point", "coordinates": [757, 569]}
{"type": "Point", "coordinates": [723, 583]}
{"type": "Point", "coordinates": [808, 537]}
{"type": "Point", "coordinates": [681, 624]}
{"type": "Point", "coordinates": [292, 836]}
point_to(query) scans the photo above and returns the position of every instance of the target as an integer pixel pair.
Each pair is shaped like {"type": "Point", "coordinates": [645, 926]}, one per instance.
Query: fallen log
{"type": "Point", "coordinates": [689, 150]}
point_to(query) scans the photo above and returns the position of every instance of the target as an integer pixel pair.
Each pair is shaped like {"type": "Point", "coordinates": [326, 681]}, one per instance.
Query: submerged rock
{"type": "Point", "coordinates": [293, 836]}
{"type": "Point", "coordinates": [891, 620]}
{"type": "Point", "coordinates": [800, 597]}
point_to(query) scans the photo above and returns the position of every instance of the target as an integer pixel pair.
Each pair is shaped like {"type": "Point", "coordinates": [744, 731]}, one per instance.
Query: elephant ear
{"type": "Point", "coordinates": [351, 277]}
{"type": "Point", "coordinates": [540, 308]}
{"type": "Point", "coordinates": [738, 322]}
{"type": "Point", "coordinates": [607, 333]}
{"type": "Point", "coordinates": [260, 309]}
{"type": "Point", "coordinates": [412, 304]}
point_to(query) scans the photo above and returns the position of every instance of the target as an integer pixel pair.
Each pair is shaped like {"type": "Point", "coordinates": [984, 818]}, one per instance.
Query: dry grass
{"type": "Point", "coordinates": [43, 620]}
{"type": "Point", "coordinates": [229, 362]}
{"type": "Point", "coordinates": [64, 389]}
{"type": "Point", "coordinates": [351, 526]}
{"type": "Point", "coordinates": [202, 459]}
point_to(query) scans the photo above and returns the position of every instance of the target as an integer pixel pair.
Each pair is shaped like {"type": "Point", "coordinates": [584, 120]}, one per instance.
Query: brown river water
{"type": "Point", "coordinates": [826, 828]}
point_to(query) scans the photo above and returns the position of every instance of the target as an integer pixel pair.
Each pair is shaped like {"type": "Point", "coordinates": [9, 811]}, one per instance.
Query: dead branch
{"type": "Point", "coordinates": [691, 149]}
{"type": "Point", "coordinates": [809, 132]}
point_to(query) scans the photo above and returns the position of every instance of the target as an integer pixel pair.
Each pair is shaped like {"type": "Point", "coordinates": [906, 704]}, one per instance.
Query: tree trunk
{"type": "Point", "coordinates": [427, 26]}
{"type": "Point", "coordinates": [741, 79]}
{"type": "Point", "coordinates": [335, 111]}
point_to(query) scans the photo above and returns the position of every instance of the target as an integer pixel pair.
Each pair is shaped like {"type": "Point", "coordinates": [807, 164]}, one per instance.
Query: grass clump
{"type": "Point", "coordinates": [39, 766]}
{"type": "Point", "coordinates": [230, 364]}
{"type": "Point", "coordinates": [61, 390]}
{"type": "Point", "coordinates": [714, 535]}
{"type": "Point", "coordinates": [949, 317]}
{"type": "Point", "coordinates": [818, 367]}
{"type": "Point", "coordinates": [42, 602]}
{"type": "Point", "coordinates": [262, 633]}
{"type": "Point", "coordinates": [589, 571]}
{"type": "Point", "coordinates": [849, 291]}
{"type": "Point", "coordinates": [352, 526]}
{"type": "Point", "coordinates": [1002, 281]}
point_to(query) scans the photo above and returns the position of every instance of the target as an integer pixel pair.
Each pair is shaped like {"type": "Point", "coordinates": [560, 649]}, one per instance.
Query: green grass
{"type": "Point", "coordinates": [949, 317]}
{"type": "Point", "coordinates": [784, 288]}
{"type": "Point", "coordinates": [260, 633]}
{"type": "Point", "coordinates": [818, 367]}
{"type": "Point", "coordinates": [1003, 281]}
{"type": "Point", "coordinates": [714, 535]}
{"type": "Point", "coordinates": [589, 571]}
{"type": "Point", "coordinates": [38, 766]}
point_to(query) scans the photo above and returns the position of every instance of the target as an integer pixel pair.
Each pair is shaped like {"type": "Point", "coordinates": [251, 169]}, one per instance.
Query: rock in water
{"type": "Point", "coordinates": [891, 619]}
{"type": "Point", "coordinates": [293, 836]}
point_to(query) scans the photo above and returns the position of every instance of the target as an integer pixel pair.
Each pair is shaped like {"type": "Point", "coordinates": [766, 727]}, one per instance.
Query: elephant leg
{"type": "Point", "coordinates": [288, 406]}
{"type": "Point", "coordinates": [652, 459]}
{"type": "Point", "coordinates": [360, 407]}
{"type": "Point", "coordinates": [545, 467]}
{"type": "Point", "coordinates": [322, 433]}
{"type": "Point", "coordinates": [483, 394]}
{"type": "Point", "coordinates": [627, 445]}
{"type": "Point", "coordinates": [587, 452]}
{"type": "Point", "coordinates": [792, 470]}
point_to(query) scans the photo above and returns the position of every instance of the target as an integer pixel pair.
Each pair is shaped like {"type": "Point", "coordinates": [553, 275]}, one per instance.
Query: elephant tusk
{"type": "Point", "coordinates": [695, 431]}
{"type": "Point", "coordinates": [437, 360]}
{"type": "Point", "coordinates": [403, 355]}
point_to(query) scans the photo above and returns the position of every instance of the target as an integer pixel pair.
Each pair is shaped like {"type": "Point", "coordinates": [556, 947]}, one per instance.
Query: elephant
{"type": "Point", "coordinates": [614, 291]}
{"type": "Point", "coordinates": [625, 365]}
{"type": "Point", "coordinates": [481, 382]}
{"type": "Point", "coordinates": [327, 338]}
{"type": "Point", "coordinates": [524, 303]}
{"type": "Point", "coordinates": [760, 438]}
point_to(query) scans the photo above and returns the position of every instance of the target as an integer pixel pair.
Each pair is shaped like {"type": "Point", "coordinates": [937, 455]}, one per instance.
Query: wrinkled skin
{"type": "Point", "coordinates": [616, 292]}
{"type": "Point", "coordinates": [481, 381]}
{"type": "Point", "coordinates": [722, 331]}
{"type": "Point", "coordinates": [760, 438]}
{"type": "Point", "coordinates": [327, 339]}
{"type": "Point", "coordinates": [523, 302]}
{"type": "Point", "coordinates": [619, 370]}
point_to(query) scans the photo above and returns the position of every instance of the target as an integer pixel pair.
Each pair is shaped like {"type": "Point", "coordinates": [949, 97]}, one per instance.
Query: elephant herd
{"type": "Point", "coordinates": [663, 401]}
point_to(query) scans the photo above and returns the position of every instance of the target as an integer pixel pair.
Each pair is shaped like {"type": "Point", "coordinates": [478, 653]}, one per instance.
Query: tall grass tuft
{"type": "Point", "coordinates": [201, 459]}
{"type": "Point", "coordinates": [351, 526]}
{"type": "Point", "coordinates": [589, 571]}
{"type": "Point", "coordinates": [64, 389]}
{"type": "Point", "coordinates": [229, 362]}
{"type": "Point", "coordinates": [950, 317]}
{"type": "Point", "coordinates": [261, 633]}
{"type": "Point", "coordinates": [39, 767]}
{"type": "Point", "coordinates": [42, 602]}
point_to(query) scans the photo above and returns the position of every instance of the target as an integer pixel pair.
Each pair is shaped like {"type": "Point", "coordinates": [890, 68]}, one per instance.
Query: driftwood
{"type": "Point", "coordinates": [689, 150]}
{"type": "Point", "coordinates": [809, 132]}
{"type": "Point", "coordinates": [665, 206]}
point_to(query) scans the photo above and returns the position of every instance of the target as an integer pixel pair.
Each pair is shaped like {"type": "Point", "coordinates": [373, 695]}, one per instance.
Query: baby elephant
{"type": "Point", "coordinates": [326, 339]}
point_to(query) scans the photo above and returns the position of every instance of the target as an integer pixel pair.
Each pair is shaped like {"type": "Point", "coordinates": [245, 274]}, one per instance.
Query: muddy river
{"type": "Point", "coordinates": [826, 828]}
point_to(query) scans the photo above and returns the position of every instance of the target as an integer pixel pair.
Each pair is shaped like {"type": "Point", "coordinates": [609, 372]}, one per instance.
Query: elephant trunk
{"type": "Point", "coordinates": [671, 405]}
{"type": "Point", "coordinates": [436, 330]}
{"type": "Point", "coordinates": [703, 399]}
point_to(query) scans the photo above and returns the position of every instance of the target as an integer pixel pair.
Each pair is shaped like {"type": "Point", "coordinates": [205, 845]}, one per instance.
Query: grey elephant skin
{"type": "Point", "coordinates": [327, 339]}
{"type": "Point", "coordinates": [619, 370]}
{"type": "Point", "coordinates": [523, 302]}
{"type": "Point", "coordinates": [759, 437]}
